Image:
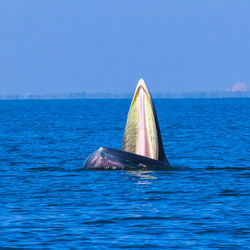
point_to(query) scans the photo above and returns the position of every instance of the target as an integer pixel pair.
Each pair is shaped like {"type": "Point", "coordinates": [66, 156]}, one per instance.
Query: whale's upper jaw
{"type": "Point", "coordinates": [142, 134]}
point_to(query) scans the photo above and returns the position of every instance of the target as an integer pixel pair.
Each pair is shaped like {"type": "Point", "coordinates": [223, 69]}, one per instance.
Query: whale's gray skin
{"type": "Point", "coordinates": [142, 144]}
{"type": "Point", "coordinates": [113, 159]}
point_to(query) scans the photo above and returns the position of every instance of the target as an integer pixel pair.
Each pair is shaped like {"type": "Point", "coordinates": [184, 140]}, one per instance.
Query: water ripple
{"type": "Point", "coordinates": [48, 201]}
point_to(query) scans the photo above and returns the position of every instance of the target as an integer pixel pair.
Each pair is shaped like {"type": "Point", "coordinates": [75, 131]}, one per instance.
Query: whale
{"type": "Point", "coordinates": [142, 146]}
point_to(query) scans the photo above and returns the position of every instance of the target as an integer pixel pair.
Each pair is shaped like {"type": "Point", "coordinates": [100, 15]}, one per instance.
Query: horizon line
{"type": "Point", "coordinates": [110, 95]}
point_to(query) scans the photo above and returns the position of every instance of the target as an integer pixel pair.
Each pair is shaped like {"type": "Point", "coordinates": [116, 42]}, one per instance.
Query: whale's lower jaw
{"type": "Point", "coordinates": [113, 159]}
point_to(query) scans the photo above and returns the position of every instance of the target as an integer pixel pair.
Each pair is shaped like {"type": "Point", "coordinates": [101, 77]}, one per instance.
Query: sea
{"type": "Point", "coordinates": [48, 201]}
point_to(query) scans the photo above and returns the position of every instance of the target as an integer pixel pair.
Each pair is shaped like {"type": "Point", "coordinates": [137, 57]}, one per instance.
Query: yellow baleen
{"type": "Point", "coordinates": [141, 132]}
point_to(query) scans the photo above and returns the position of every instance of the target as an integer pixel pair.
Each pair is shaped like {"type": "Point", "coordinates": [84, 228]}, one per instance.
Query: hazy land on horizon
{"type": "Point", "coordinates": [84, 95]}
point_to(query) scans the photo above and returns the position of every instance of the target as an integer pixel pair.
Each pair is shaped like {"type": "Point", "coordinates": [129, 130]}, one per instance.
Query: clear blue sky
{"type": "Point", "coordinates": [58, 46]}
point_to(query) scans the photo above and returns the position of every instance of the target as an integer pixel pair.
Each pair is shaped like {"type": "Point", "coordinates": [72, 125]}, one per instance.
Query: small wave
{"type": "Point", "coordinates": [229, 192]}
{"type": "Point", "coordinates": [227, 168]}
{"type": "Point", "coordinates": [98, 222]}
{"type": "Point", "coordinates": [40, 169]}
{"type": "Point", "coordinates": [146, 218]}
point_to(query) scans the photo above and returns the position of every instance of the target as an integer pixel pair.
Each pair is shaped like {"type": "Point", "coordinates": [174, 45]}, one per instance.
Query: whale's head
{"type": "Point", "coordinates": [142, 133]}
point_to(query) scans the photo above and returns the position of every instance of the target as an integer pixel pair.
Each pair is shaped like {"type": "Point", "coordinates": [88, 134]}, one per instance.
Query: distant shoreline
{"type": "Point", "coordinates": [83, 95]}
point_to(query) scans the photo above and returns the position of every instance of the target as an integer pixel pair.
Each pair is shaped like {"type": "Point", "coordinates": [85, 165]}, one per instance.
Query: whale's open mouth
{"type": "Point", "coordinates": [142, 143]}
{"type": "Point", "coordinates": [142, 134]}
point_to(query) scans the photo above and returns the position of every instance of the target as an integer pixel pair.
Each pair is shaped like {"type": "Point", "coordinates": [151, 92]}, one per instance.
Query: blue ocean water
{"type": "Point", "coordinates": [48, 201]}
